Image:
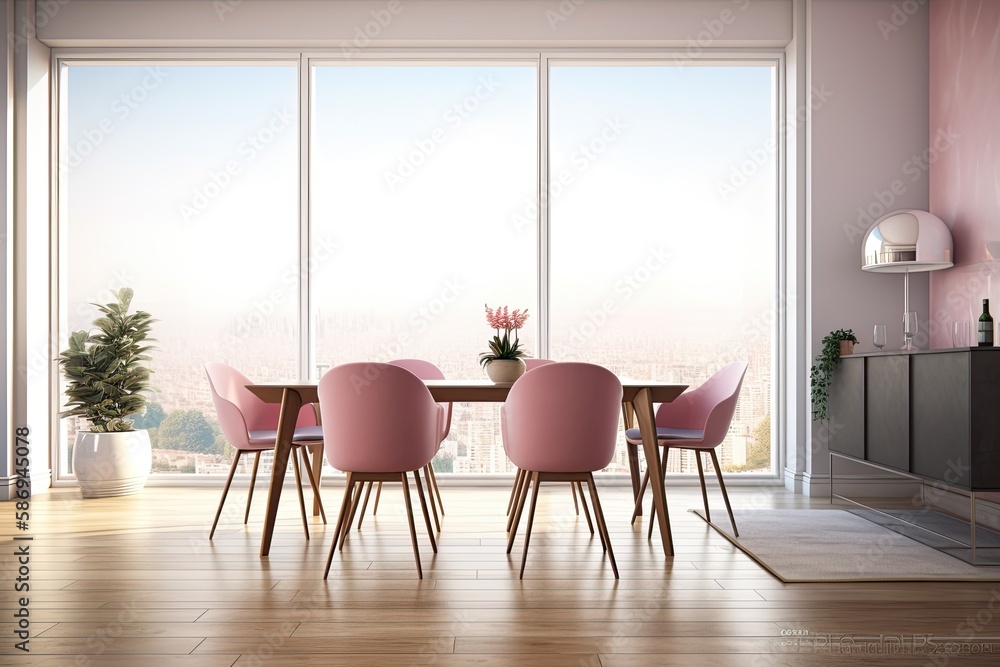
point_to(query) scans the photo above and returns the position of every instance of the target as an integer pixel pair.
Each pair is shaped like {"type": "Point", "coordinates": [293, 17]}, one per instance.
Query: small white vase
{"type": "Point", "coordinates": [502, 371]}
{"type": "Point", "coordinates": [112, 464]}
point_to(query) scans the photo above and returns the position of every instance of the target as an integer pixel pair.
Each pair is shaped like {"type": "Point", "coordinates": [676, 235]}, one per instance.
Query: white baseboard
{"type": "Point", "coordinates": [40, 483]}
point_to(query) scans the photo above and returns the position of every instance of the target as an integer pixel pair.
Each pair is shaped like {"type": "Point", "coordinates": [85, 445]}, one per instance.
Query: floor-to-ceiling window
{"type": "Point", "coordinates": [418, 187]}
{"type": "Point", "coordinates": [662, 204]}
{"type": "Point", "coordinates": [414, 170]}
{"type": "Point", "coordinates": [181, 182]}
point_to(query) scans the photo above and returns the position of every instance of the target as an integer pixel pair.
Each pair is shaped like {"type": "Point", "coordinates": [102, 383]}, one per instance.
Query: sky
{"type": "Point", "coordinates": [422, 185]}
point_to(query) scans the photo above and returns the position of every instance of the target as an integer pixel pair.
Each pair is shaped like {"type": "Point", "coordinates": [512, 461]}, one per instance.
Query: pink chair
{"type": "Point", "coordinates": [560, 423]}
{"type": "Point", "coordinates": [424, 370]}
{"type": "Point", "coordinates": [519, 477]}
{"type": "Point", "coordinates": [363, 407]}
{"type": "Point", "coordinates": [698, 420]}
{"type": "Point", "coordinates": [251, 425]}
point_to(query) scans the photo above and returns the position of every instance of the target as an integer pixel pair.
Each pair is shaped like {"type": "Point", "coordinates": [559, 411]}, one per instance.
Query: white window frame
{"type": "Point", "coordinates": [543, 60]}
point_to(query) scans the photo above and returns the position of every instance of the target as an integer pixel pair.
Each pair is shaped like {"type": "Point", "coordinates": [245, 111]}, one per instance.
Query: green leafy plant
{"type": "Point", "coordinates": [822, 371]}
{"type": "Point", "coordinates": [105, 371]}
{"type": "Point", "coordinates": [504, 347]}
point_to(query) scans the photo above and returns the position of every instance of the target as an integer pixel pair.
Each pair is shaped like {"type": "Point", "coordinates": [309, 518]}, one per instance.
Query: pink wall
{"type": "Point", "coordinates": [964, 156]}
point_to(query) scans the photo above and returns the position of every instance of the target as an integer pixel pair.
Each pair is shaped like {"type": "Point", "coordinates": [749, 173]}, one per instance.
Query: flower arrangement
{"type": "Point", "coordinates": [503, 347]}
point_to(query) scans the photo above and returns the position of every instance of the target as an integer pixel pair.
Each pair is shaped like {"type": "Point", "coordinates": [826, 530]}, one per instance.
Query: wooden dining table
{"type": "Point", "coordinates": [638, 397]}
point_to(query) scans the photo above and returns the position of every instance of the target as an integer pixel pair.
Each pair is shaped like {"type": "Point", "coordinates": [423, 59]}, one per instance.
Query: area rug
{"type": "Point", "coordinates": [836, 545]}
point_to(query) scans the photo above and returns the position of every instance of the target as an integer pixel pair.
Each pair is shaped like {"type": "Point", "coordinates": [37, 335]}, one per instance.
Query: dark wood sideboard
{"type": "Point", "coordinates": [934, 414]}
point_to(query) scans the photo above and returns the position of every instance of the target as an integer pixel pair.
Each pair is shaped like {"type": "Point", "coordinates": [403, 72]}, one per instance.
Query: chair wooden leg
{"type": "Point", "coordinates": [586, 512]}
{"type": "Point", "coordinates": [340, 522]}
{"type": "Point", "coordinates": [704, 491]}
{"type": "Point", "coordinates": [604, 544]}
{"type": "Point", "coordinates": [378, 494]}
{"type": "Point", "coordinates": [350, 515]}
{"type": "Point", "coordinates": [423, 507]}
{"type": "Point", "coordinates": [364, 506]}
{"type": "Point", "coordinates": [514, 490]}
{"type": "Point", "coordinates": [725, 496]}
{"type": "Point", "coordinates": [576, 504]}
{"type": "Point", "coordinates": [253, 482]}
{"type": "Point", "coordinates": [637, 510]}
{"type": "Point", "coordinates": [515, 516]}
{"type": "Point", "coordinates": [430, 491]}
{"type": "Point", "coordinates": [413, 528]}
{"type": "Point", "coordinates": [432, 476]}
{"type": "Point", "coordinates": [531, 518]}
{"type": "Point", "coordinates": [317, 466]}
{"type": "Point", "coordinates": [298, 483]}
{"type": "Point", "coordinates": [317, 501]}
{"type": "Point", "coordinates": [601, 524]}
{"type": "Point", "coordinates": [515, 493]}
{"type": "Point", "coordinates": [225, 491]}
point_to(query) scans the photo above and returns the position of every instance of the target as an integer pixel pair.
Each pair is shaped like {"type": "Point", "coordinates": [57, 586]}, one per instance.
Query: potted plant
{"type": "Point", "coordinates": [505, 360]}
{"type": "Point", "coordinates": [835, 344]}
{"type": "Point", "coordinates": [106, 377]}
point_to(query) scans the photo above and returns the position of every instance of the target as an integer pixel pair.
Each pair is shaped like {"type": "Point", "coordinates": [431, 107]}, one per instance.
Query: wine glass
{"type": "Point", "coordinates": [879, 336]}
{"type": "Point", "coordinates": [909, 329]}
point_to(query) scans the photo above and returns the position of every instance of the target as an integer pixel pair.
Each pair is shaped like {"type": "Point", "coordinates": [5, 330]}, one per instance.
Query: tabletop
{"type": "Point", "coordinates": [468, 391]}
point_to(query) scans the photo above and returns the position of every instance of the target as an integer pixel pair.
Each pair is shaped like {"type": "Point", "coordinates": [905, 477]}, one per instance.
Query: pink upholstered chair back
{"type": "Point", "coordinates": [562, 417]}
{"type": "Point", "coordinates": [425, 370]}
{"type": "Point", "coordinates": [377, 418]}
{"type": "Point", "coordinates": [224, 383]}
{"type": "Point", "coordinates": [239, 411]}
{"type": "Point", "coordinates": [709, 407]}
{"type": "Point", "coordinates": [531, 364]}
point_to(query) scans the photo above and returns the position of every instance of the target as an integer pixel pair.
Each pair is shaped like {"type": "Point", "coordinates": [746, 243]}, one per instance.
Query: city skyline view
{"type": "Point", "coordinates": [423, 207]}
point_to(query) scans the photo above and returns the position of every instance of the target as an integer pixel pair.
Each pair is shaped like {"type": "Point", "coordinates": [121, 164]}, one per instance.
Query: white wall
{"type": "Point", "coordinates": [860, 144]}
{"type": "Point", "coordinates": [27, 352]}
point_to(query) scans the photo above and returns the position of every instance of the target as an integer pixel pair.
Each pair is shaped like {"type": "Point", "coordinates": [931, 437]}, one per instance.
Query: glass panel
{"type": "Point", "coordinates": [663, 227]}
{"type": "Point", "coordinates": [422, 194]}
{"type": "Point", "coordinates": [181, 182]}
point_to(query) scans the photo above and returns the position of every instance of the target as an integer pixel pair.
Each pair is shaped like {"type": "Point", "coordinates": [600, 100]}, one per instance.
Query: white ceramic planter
{"type": "Point", "coordinates": [112, 464]}
{"type": "Point", "coordinates": [502, 371]}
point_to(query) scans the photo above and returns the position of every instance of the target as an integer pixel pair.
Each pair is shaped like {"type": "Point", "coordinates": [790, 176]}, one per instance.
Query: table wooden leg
{"type": "Point", "coordinates": [291, 402]}
{"type": "Point", "coordinates": [633, 454]}
{"type": "Point", "coordinates": [643, 406]}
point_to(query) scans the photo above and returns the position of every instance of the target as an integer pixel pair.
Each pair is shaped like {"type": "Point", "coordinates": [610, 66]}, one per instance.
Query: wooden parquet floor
{"type": "Point", "coordinates": [135, 582]}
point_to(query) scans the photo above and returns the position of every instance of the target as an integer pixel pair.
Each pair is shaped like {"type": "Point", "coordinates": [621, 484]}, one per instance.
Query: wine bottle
{"type": "Point", "coordinates": [986, 326]}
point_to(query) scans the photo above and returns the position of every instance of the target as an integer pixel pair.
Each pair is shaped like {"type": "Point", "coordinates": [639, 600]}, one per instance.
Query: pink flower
{"type": "Point", "coordinates": [503, 318]}
{"type": "Point", "coordinates": [503, 347]}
